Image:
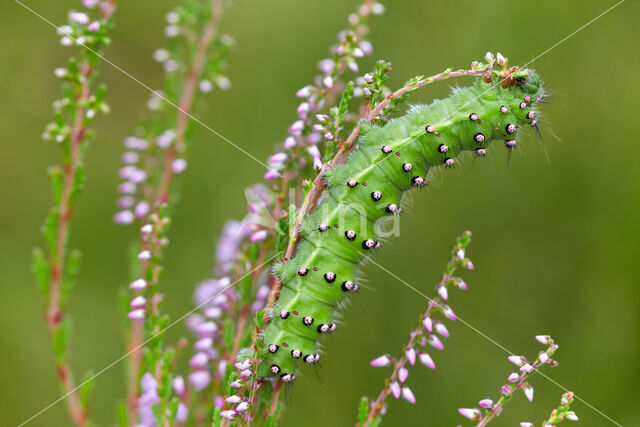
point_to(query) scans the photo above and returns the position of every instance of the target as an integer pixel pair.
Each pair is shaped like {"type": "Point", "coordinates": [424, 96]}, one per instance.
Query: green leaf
{"type": "Point", "coordinates": [57, 182]}
{"type": "Point", "coordinates": [42, 271]}
{"type": "Point", "coordinates": [363, 410]}
{"type": "Point", "coordinates": [70, 275]}
{"type": "Point", "coordinates": [245, 287]}
{"type": "Point", "coordinates": [87, 387]}
{"type": "Point", "coordinates": [78, 184]}
{"type": "Point", "coordinates": [50, 231]}
{"type": "Point", "coordinates": [61, 338]}
{"type": "Point", "coordinates": [121, 414]}
{"type": "Point", "coordinates": [259, 319]}
{"type": "Point", "coordinates": [216, 419]}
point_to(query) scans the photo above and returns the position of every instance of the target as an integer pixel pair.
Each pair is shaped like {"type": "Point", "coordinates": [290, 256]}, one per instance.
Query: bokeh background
{"type": "Point", "coordinates": [556, 233]}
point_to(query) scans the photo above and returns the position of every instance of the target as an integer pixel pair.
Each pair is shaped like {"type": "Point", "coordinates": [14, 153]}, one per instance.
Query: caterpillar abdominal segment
{"type": "Point", "coordinates": [388, 161]}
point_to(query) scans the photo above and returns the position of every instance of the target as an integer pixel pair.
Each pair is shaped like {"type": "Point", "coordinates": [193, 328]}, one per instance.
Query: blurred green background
{"type": "Point", "coordinates": [555, 233]}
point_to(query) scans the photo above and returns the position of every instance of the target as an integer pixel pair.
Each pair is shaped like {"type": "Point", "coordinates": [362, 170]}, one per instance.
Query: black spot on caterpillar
{"type": "Point", "coordinates": [427, 136]}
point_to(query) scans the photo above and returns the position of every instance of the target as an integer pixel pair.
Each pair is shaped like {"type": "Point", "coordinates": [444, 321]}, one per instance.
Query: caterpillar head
{"type": "Point", "coordinates": [529, 82]}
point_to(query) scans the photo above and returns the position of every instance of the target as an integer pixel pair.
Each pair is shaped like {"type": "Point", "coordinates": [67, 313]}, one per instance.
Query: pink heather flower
{"type": "Point", "coordinates": [246, 373]}
{"type": "Point", "coordinates": [144, 255]}
{"type": "Point", "coordinates": [427, 361]}
{"type": "Point", "coordinates": [236, 384]}
{"type": "Point", "coordinates": [142, 209]}
{"type": "Point", "coordinates": [427, 323]}
{"type": "Point", "coordinates": [182, 413]}
{"type": "Point", "coordinates": [137, 176]}
{"type": "Point", "coordinates": [446, 310]}
{"type": "Point", "coordinates": [411, 356]}
{"type": "Point", "coordinates": [271, 174]}
{"type": "Point", "coordinates": [516, 360]}
{"type": "Point", "coordinates": [528, 391]}
{"type": "Point", "coordinates": [94, 26]}
{"type": "Point", "coordinates": [138, 285]}
{"type": "Point", "coordinates": [544, 358]}
{"type": "Point", "coordinates": [178, 385]}
{"type": "Point", "coordinates": [218, 402]}
{"type": "Point", "coordinates": [380, 361]}
{"type": "Point", "coordinates": [403, 373]}
{"type": "Point", "coordinates": [506, 390]}
{"type": "Point", "coordinates": [442, 291]}
{"type": "Point", "coordinates": [79, 17]}
{"type": "Point", "coordinates": [278, 158]}
{"type": "Point", "coordinates": [353, 66]}
{"type": "Point", "coordinates": [203, 344]}
{"type": "Point", "coordinates": [314, 138]}
{"type": "Point", "coordinates": [486, 403]}
{"type": "Point", "coordinates": [526, 424]}
{"type": "Point", "coordinates": [435, 342]}
{"type": "Point", "coordinates": [527, 368]}
{"type": "Point", "coordinates": [407, 394]}
{"type": "Point", "coordinates": [207, 328]}
{"type": "Point", "coordinates": [328, 82]}
{"type": "Point", "coordinates": [259, 236]}
{"type": "Point", "coordinates": [146, 229]}
{"type": "Point", "coordinates": [461, 284]}
{"type": "Point", "coordinates": [304, 92]}
{"type": "Point", "coordinates": [442, 330]}
{"type": "Point", "coordinates": [222, 368]}
{"type": "Point", "coordinates": [199, 360]}
{"type": "Point", "coordinates": [513, 377]}
{"type": "Point", "coordinates": [228, 414]}
{"type": "Point", "coordinates": [395, 389]}
{"type": "Point", "coordinates": [213, 313]}
{"type": "Point", "coordinates": [130, 157]}
{"type": "Point", "coordinates": [289, 143]}
{"type": "Point", "coordinates": [543, 339]}
{"type": "Point", "coordinates": [178, 166]}
{"type": "Point", "coordinates": [205, 86]}
{"type": "Point", "coordinates": [469, 265]}
{"type": "Point", "coordinates": [366, 47]}
{"type": "Point", "coordinates": [126, 202]}
{"type": "Point", "coordinates": [123, 217]}
{"type": "Point", "coordinates": [138, 302]}
{"type": "Point", "coordinates": [243, 406]}
{"type": "Point", "coordinates": [136, 314]}
{"type": "Point", "coordinates": [127, 188]}
{"type": "Point", "coordinates": [472, 414]}
{"type": "Point", "coordinates": [135, 143]}
{"type": "Point", "coordinates": [303, 110]}
{"type": "Point", "coordinates": [199, 379]}
{"type": "Point", "coordinates": [233, 399]}
{"type": "Point", "coordinates": [326, 65]}
{"type": "Point", "coordinates": [296, 128]}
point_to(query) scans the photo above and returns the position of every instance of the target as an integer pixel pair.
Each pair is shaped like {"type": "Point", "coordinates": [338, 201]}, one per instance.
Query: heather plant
{"type": "Point", "coordinates": [333, 191]}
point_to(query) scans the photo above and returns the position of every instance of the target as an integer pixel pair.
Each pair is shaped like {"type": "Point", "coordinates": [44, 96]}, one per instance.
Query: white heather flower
{"type": "Point", "coordinates": [146, 229]}
{"type": "Point", "coordinates": [544, 358]}
{"type": "Point", "coordinates": [233, 399]}
{"type": "Point", "coordinates": [442, 330]}
{"type": "Point", "coordinates": [328, 82]}
{"type": "Point", "coordinates": [161, 55]}
{"type": "Point", "coordinates": [144, 255]}
{"type": "Point", "coordinates": [138, 302]}
{"type": "Point", "coordinates": [79, 17]}
{"type": "Point", "coordinates": [172, 17]}
{"type": "Point", "coordinates": [435, 342]}
{"type": "Point", "coordinates": [170, 66]}
{"type": "Point", "coordinates": [427, 323]}
{"type": "Point", "coordinates": [489, 57]}
{"type": "Point", "coordinates": [395, 389]}
{"type": "Point", "coordinates": [411, 356]}
{"type": "Point", "coordinates": [442, 291]}
{"type": "Point", "coordinates": [516, 360]}
{"type": "Point", "coordinates": [64, 30]}
{"type": "Point", "coordinates": [226, 39]}
{"type": "Point", "coordinates": [486, 403]}
{"type": "Point", "coordinates": [528, 391]}
{"type": "Point", "coordinates": [171, 31]}
{"type": "Point", "coordinates": [304, 92]}
{"type": "Point", "coordinates": [571, 416]}
{"type": "Point", "coordinates": [526, 424]}
{"type": "Point", "coordinates": [472, 414]}
{"type": "Point", "coordinates": [460, 254]}
{"type": "Point", "coordinates": [326, 65]}
{"type": "Point", "coordinates": [60, 72]}
{"type": "Point", "coordinates": [138, 285]}
{"type": "Point", "coordinates": [407, 394]}
{"type": "Point", "coordinates": [366, 47]}
{"type": "Point", "coordinates": [178, 166]}
{"type": "Point", "coordinates": [136, 314]}
{"type": "Point", "coordinates": [377, 8]}
{"type": "Point", "coordinates": [380, 361]}
{"type": "Point", "coordinates": [427, 361]}
{"type": "Point", "coordinates": [243, 406]}
{"type": "Point", "coordinates": [223, 82]}
{"type": "Point", "coordinates": [543, 339]}
{"type": "Point", "coordinates": [153, 103]}
{"type": "Point", "coordinates": [66, 41]}
{"type": "Point", "coordinates": [353, 19]}
{"type": "Point", "coordinates": [527, 368]}
{"type": "Point", "coordinates": [228, 414]}
{"type": "Point", "coordinates": [289, 143]}
{"type": "Point", "coordinates": [358, 53]}
{"type": "Point", "coordinates": [403, 373]}
{"type": "Point", "coordinates": [206, 86]}
{"type": "Point", "coordinates": [501, 60]}
{"type": "Point", "coordinates": [165, 138]}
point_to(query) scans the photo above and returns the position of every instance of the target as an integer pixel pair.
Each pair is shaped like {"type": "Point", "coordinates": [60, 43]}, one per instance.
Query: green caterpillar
{"type": "Point", "coordinates": [389, 160]}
